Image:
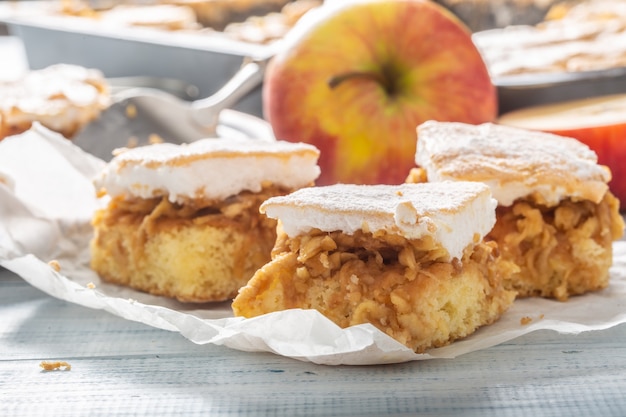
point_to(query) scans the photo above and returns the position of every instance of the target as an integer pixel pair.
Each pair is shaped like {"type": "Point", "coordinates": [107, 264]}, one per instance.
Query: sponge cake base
{"type": "Point", "coordinates": [193, 254]}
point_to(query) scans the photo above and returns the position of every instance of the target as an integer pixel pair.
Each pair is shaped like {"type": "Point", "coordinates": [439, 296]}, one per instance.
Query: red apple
{"type": "Point", "coordinates": [599, 122]}
{"type": "Point", "coordinates": [356, 77]}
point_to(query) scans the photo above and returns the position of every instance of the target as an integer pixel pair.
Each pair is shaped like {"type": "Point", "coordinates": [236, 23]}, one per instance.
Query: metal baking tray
{"type": "Point", "coordinates": [203, 60]}
{"type": "Point", "coordinates": [206, 61]}
{"type": "Point", "coordinates": [519, 91]}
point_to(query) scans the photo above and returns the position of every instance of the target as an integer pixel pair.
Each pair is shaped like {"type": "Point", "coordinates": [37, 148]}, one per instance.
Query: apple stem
{"type": "Point", "coordinates": [335, 81]}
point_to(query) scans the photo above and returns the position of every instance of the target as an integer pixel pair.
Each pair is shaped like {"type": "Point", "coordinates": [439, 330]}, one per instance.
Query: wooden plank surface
{"type": "Point", "coordinates": [123, 368]}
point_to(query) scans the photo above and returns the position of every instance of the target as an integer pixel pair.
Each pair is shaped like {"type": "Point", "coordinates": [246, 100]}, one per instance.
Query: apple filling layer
{"type": "Point", "coordinates": [407, 288]}
{"type": "Point", "coordinates": [561, 251]}
{"type": "Point", "coordinates": [194, 253]}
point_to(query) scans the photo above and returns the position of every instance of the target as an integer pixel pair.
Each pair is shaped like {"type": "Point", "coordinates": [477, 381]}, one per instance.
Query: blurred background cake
{"type": "Point", "coordinates": [64, 98]}
{"type": "Point", "coordinates": [257, 21]}
{"type": "Point", "coordinates": [572, 36]}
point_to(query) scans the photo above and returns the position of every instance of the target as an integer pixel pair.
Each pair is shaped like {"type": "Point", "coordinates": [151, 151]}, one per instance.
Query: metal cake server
{"type": "Point", "coordinates": [138, 116]}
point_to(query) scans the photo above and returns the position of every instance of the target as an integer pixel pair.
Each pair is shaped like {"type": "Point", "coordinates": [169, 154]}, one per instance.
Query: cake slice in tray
{"type": "Point", "coordinates": [62, 97]}
{"type": "Point", "coordinates": [408, 259]}
{"type": "Point", "coordinates": [556, 217]}
{"type": "Point", "coordinates": [183, 221]}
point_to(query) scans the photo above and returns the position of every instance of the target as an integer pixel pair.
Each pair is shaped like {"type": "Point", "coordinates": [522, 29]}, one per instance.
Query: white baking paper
{"type": "Point", "coordinates": [46, 203]}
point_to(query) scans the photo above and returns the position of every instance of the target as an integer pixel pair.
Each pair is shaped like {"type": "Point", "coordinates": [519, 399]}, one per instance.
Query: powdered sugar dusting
{"type": "Point", "coordinates": [452, 212]}
{"type": "Point", "coordinates": [514, 162]}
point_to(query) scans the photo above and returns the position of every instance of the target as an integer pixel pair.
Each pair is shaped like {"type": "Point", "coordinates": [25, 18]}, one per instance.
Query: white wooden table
{"type": "Point", "coordinates": [123, 368]}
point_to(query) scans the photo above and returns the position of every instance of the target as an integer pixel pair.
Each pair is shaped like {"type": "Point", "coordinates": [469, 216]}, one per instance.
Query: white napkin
{"type": "Point", "coordinates": [46, 203]}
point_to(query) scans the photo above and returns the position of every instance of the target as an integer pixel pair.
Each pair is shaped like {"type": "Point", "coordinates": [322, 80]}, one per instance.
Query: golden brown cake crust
{"type": "Point", "coordinates": [191, 253]}
{"type": "Point", "coordinates": [400, 286]}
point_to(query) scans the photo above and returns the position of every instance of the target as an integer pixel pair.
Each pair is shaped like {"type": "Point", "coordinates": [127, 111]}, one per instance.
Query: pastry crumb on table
{"type": "Point", "coordinates": [55, 366]}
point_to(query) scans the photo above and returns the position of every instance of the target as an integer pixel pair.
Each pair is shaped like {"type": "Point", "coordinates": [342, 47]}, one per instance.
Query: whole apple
{"type": "Point", "coordinates": [356, 77]}
{"type": "Point", "coordinates": [598, 122]}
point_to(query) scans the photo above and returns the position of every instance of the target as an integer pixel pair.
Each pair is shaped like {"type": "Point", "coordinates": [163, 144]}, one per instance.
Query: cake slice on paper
{"type": "Point", "coordinates": [556, 217]}
{"type": "Point", "coordinates": [183, 221]}
{"type": "Point", "coordinates": [408, 259]}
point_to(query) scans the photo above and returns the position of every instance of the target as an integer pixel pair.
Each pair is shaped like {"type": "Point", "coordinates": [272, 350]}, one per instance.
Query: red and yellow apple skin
{"type": "Point", "coordinates": [409, 61]}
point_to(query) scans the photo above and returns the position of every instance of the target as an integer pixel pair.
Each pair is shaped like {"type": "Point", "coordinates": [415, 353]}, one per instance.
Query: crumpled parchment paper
{"type": "Point", "coordinates": [46, 203]}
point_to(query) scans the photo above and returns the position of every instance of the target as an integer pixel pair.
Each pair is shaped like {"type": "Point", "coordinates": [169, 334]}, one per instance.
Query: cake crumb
{"type": "Point", "coordinates": [54, 264]}
{"type": "Point", "coordinates": [132, 142]}
{"type": "Point", "coordinates": [154, 138]}
{"type": "Point", "coordinates": [525, 320]}
{"type": "Point", "coordinates": [91, 285]}
{"type": "Point", "coordinates": [119, 151]}
{"type": "Point", "coordinates": [131, 111]}
{"type": "Point", "coordinates": [55, 366]}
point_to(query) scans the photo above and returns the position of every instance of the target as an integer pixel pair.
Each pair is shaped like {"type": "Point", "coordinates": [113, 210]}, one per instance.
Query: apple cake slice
{"type": "Point", "coordinates": [556, 217]}
{"type": "Point", "coordinates": [62, 97]}
{"type": "Point", "coordinates": [409, 259]}
{"type": "Point", "coordinates": [183, 221]}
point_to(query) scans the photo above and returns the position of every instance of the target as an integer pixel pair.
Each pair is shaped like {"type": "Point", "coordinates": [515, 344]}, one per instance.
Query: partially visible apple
{"type": "Point", "coordinates": [356, 78]}
{"type": "Point", "coordinates": [599, 122]}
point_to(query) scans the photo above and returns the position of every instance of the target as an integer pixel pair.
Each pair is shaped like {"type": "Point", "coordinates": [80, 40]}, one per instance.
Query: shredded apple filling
{"type": "Point", "coordinates": [562, 250]}
{"type": "Point", "coordinates": [323, 253]}
{"type": "Point", "coordinates": [240, 211]}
